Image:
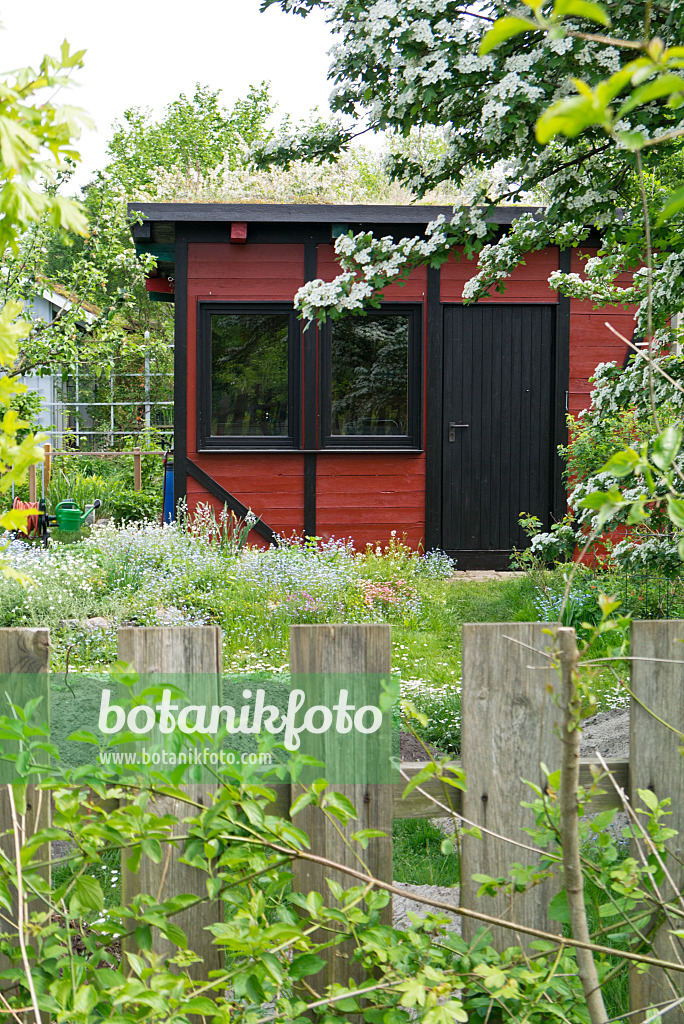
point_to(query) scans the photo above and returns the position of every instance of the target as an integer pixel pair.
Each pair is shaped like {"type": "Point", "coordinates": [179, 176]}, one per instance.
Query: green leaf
{"type": "Point", "coordinates": [200, 1005]}
{"type": "Point", "coordinates": [622, 463]}
{"type": "Point", "coordinates": [314, 903]}
{"type": "Point", "coordinates": [648, 797]}
{"type": "Point", "coordinates": [419, 778]}
{"type": "Point", "coordinates": [340, 805]}
{"type": "Point", "coordinates": [666, 446]}
{"type": "Point", "coordinates": [365, 834]}
{"type": "Point", "coordinates": [675, 511]}
{"type": "Point", "coordinates": [664, 85]}
{"type": "Point", "coordinates": [582, 9]}
{"type": "Point", "coordinates": [152, 848]}
{"type": "Point", "coordinates": [302, 801]}
{"type": "Point", "coordinates": [133, 862]}
{"type": "Point", "coordinates": [307, 963]}
{"type": "Point", "coordinates": [87, 896]}
{"type": "Point", "coordinates": [136, 962]}
{"type": "Point", "coordinates": [81, 736]}
{"type": "Point", "coordinates": [85, 999]}
{"type": "Point", "coordinates": [571, 116]}
{"type": "Point", "coordinates": [673, 206]}
{"type": "Point", "coordinates": [143, 937]}
{"type": "Point", "coordinates": [503, 29]}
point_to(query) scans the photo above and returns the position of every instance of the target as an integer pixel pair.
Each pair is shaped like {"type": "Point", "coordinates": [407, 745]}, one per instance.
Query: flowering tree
{"type": "Point", "coordinates": [404, 65]}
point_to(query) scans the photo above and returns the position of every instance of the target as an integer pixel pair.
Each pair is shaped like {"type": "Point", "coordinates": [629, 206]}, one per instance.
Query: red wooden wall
{"type": "Point", "coordinates": [591, 342]}
{"type": "Point", "coordinates": [271, 484]}
{"type": "Point", "coordinates": [361, 495]}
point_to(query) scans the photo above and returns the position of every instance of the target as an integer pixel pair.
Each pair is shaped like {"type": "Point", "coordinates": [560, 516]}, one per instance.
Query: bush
{"type": "Point", "coordinates": [129, 506]}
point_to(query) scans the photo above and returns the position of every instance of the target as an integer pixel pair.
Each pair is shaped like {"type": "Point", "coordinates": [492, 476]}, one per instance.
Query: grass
{"type": "Point", "coordinates": [418, 857]}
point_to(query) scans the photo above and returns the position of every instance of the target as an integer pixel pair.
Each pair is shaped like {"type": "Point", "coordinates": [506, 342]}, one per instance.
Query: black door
{"type": "Point", "coordinates": [497, 446]}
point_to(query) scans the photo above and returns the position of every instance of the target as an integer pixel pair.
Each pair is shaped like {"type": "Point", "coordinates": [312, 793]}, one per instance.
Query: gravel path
{"type": "Point", "coordinates": [607, 733]}
{"type": "Point", "coordinates": [401, 905]}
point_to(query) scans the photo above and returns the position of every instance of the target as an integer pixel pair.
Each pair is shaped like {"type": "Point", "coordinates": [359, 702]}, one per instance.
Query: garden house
{"type": "Point", "coordinates": [427, 417]}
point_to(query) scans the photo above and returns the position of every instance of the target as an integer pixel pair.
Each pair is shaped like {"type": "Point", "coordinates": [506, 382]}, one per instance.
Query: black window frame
{"type": "Point", "coordinates": [413, 439]}
{"type": "Point", "coordinates": [231, 442]}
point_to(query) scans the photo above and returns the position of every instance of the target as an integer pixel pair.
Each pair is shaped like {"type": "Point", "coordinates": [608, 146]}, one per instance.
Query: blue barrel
{"type": "Point", "coordinates": [169, 508]}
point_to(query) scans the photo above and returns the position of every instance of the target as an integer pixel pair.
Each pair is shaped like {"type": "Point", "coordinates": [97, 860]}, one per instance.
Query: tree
{"type": "Point", "coordinates": [107, 322]}
{"type": "Point", "coordinates": [195, 135]}
{"type": "Point", "coordinates": [403, 65]}
{"type": "Point", "coordinates": [36, 140]}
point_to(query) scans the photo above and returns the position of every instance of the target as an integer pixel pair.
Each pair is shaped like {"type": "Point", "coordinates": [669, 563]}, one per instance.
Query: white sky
{"type": "Point", "coordinates": [145, 52]}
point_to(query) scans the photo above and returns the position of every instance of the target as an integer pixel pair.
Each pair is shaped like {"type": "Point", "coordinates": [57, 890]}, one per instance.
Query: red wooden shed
{"type": "Point", "coordinates": [428, 417]}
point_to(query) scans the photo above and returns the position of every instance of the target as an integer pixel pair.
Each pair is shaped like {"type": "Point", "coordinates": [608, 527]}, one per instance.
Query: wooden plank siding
{"type": "Point", "coordinates": [528, 283]}
{"type": "Point", "coordinates": [591, 342]}
{"type": "Point", "coordinates": [364, 494]}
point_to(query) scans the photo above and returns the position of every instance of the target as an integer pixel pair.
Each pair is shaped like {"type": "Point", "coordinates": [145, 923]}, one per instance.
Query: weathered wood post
{"type": "Point", "coordinates": [47, 466]}
{"type": "Point", "coordinates": [325, 661]}
{"type": "Point", "coordinates": [656, 764]}
{"type": "Point", "coordinates": [508, 730]}
{"type": "Point", "coordinates": [191, 658]}
{"type": "Point", "coordinates": [24, 667]}
{"type": "Point", "coordinates": [137, 470]}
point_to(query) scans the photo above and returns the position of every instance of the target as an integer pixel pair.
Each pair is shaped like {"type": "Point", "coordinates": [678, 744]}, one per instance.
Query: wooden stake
{"type": "Point", "coordinates": [48, 465]}
{"type": "Point", "coordinates": [324, 661]}
{"type": "Point", "coordinates": [187, 652]}
{"type": "Point", "coordinates": [137, 470]}
{"type": "Point", "coordinates": [655, 764]}
{"type": "Point", "coordinates": [508, 730]}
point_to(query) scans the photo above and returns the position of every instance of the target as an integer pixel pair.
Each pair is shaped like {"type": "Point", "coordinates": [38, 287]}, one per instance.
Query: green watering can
{"type": "Point", "coordinates": [69, 517]}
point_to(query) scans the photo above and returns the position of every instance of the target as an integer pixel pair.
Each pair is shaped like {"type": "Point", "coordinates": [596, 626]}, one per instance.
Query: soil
{"type": "Point", "coordinates": [412, 749]}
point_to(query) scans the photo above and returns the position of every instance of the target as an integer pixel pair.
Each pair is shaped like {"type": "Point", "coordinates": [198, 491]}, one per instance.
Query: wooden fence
{"type": "Point", "coordinates": [509, 729]}
{"type": "Point", "coordinates": [50, 456]}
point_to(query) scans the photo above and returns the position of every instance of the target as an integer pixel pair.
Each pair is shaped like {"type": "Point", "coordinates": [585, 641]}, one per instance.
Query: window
{"type": "Point", "coordinates": [247, 373]}
{"type": "Point", "coordinates": [371, 369]}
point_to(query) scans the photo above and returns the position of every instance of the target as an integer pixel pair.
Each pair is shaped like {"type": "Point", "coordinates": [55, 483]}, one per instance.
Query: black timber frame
{"type": "Point", "coordinates": [180, 369]}
{"type": "Point", "coordinates": [434, 414]}
{"type": "Point", "coordinates": [224, 496]}
{"type": "Point", "coordinates": [413, 440]}
{"type": "Point", "coordinates": [206, 441]}
{"type": "Point", "coordinates": [309, 390]}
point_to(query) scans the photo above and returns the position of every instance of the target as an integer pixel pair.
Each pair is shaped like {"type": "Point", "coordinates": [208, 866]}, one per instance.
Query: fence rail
{"type": "Point", "coordinates": [510, 726]}
{"type": "Point", "coordinates": [51, 455]}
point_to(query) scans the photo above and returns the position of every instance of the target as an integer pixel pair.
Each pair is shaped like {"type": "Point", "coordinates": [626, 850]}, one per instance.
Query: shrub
{"type": "Point", "coordinates": [129, 506]}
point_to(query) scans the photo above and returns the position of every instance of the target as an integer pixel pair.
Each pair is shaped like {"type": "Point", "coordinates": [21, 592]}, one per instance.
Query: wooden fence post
{"type": "Point", "coordinates": [137, 470]}
{"type": "Point", "coordinates": [656, 764]}
{"type": "Point", "coordinates": [325, 660]}
{"type": "Point", "coordinates": [507, 731]}
{"type": "Point", "coordinates": [24, 666]}
{"type": "Point", "coordinates": [187, 652]}
{"type": "Point", "coordinates": [48, 466]}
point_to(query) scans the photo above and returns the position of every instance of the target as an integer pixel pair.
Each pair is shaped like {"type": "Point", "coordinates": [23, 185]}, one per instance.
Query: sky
{"type": "Point", "coordinates": [146, 53]}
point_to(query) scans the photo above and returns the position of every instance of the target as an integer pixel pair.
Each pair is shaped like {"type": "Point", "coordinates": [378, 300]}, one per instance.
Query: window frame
{"type": "Point", "coordinates": [413, 439]}
{"type": "Point", "coordinates": [231, 442]}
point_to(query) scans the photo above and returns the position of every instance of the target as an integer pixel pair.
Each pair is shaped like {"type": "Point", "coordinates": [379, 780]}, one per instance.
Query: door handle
{"type": "Point", "coordinates": [453, 427]}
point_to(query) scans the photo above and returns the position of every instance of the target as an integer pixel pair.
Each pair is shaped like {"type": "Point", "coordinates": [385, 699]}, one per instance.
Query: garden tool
{"type": "Point", "coordinates": [68, 516]}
